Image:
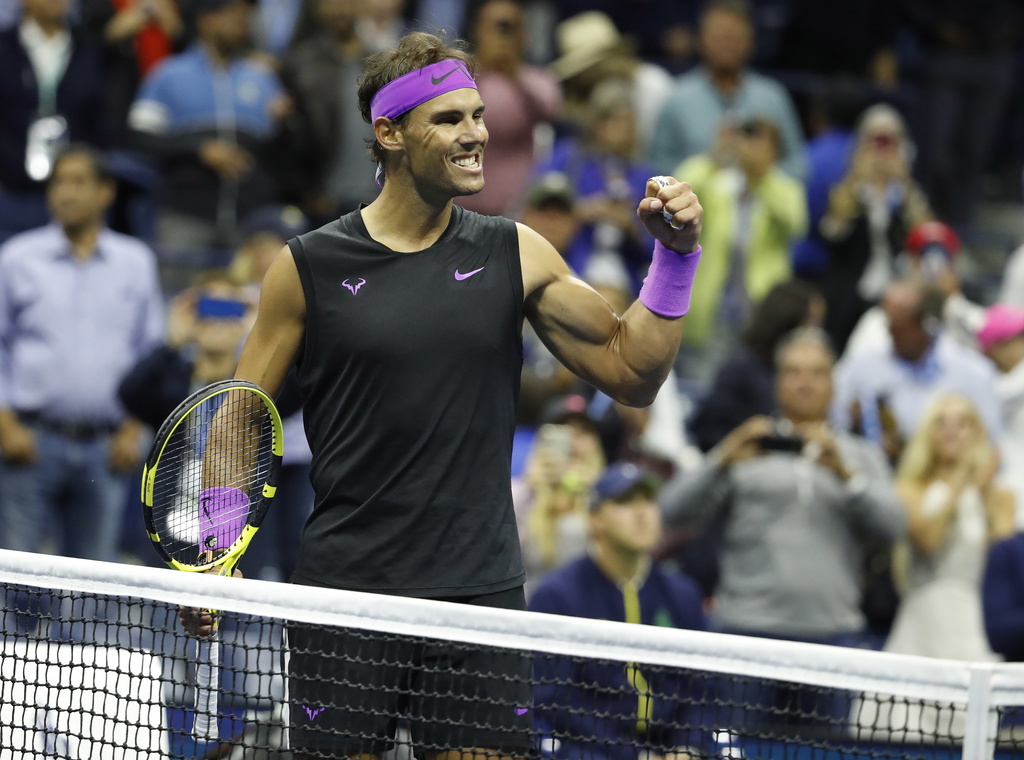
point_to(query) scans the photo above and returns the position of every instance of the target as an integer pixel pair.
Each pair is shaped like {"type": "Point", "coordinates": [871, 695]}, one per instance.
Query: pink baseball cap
{"type": "Point", "coordinates": [1002, 322]}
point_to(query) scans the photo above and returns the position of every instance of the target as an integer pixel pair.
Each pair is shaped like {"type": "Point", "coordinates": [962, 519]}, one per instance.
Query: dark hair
{"type": "Point", "coordinates": [805, 336]}
{"type": "Point", "coordinates": [472, 16]}
{"type": "Point", "coordinates": [757, 125]}
{"type": "Point", "coordinates": [740, 8]}
{"type": "Point", "coordinates": [414, 51]}
{"type": "Point", "coordinates": [839, 101]}
{"type": "Point", "coordinates": [98, 161]}
{"type": "Point", "coordinates": [784, 308]}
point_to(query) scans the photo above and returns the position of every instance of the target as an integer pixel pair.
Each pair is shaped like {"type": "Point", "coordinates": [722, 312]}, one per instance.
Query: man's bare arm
{"type": "Point", "coordinates": [628, 356]}
{"type": "Point", "coordinates": [274, 342]}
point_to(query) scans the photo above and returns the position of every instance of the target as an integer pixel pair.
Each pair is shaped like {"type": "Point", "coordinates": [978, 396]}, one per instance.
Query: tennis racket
{"type": "Point", "coordinates": [206, 486]}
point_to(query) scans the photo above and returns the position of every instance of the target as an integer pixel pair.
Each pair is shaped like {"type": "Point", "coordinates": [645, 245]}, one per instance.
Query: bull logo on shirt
{"type": "Point", "coordinates": [354, 288]}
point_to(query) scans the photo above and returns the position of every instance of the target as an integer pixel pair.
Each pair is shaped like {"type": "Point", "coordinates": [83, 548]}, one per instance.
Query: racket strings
{"type": "Point", "coordinates": [211, 474]}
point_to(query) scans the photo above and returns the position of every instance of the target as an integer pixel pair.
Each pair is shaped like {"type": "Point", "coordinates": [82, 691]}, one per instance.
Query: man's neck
{"type": "Point", "coordinates": [811, 420]}
{"type": "Point", "coordinates": [403, 220]}
{"type": "Point", "coordinates": [620, 566]}
{"type": "Point", "coordinates": [347, 44]}
{"type": "Point", "coordinates": [218, 56]}
{"type": "Point", "coordinates": [49, 27]}
{"type": "Point", "coordinates": [82, 239]}
{"type": "Point", "coordinates": [726, 81]}
{"type": "Point", "coordinates": [921, 358]}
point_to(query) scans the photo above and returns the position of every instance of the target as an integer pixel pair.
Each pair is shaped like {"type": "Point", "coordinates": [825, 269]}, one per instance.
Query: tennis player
{"type": "Point", "coordinates": [404, 321]}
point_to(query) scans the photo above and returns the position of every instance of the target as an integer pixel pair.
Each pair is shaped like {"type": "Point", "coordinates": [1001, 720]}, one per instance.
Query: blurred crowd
{"type": "Point", "coordinates": [838, 453]}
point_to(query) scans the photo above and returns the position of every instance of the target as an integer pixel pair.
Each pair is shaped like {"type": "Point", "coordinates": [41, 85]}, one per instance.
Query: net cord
{"type": "Point", "coordinates": [853, 669]}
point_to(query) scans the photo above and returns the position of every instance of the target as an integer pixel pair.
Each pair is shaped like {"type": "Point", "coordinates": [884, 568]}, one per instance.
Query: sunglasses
{"type": "Point", "coordinates": [220, 308]}
{"type": "Point", "coordinates": [884, 141]}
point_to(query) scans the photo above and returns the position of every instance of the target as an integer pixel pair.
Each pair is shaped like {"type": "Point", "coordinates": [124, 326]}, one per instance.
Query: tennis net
{"type": "Point", "coordinates": [96, 665]}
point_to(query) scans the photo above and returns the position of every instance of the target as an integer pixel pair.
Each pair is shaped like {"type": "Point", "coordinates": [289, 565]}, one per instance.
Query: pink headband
{"type": "Point", "coordinates": [419, 86]}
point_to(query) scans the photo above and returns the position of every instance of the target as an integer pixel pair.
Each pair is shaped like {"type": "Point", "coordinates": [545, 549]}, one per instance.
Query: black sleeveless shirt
{"type": "Point", "coordinates": [410, 370]}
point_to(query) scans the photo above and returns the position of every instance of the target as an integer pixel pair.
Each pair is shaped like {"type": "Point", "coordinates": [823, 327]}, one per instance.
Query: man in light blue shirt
{"type": "Point", "coordinates": [210, 116]}
{"type": "Point", "coordinates": [722, 89]}
{"type": "Point", "coordinates": [900, 380]}
{"type": "Point", "coordinates": [79, 305]}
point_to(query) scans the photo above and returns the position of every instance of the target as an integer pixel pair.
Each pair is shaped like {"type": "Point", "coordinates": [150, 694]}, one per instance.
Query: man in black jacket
{"type": "Point", "coordinates": [50, 87]}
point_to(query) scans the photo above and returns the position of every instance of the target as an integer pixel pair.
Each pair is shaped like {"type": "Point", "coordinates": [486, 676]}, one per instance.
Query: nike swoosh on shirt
{"type": "Point", "coordinates": [460, 276]}
{"type": "Point", "coordinates": [438, 80]}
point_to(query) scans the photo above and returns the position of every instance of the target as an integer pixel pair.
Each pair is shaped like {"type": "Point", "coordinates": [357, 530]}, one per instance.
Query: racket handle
{"type": "Point", "coordinates": [207, 688]}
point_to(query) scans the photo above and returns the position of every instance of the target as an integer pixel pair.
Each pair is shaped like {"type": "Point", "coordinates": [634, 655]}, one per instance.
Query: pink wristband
{"type": "Point", "coordinates": [666, 289]}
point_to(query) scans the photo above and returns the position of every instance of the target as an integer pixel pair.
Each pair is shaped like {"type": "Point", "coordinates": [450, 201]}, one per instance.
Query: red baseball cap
{"type": "Point", "coordinates": [926, 236]}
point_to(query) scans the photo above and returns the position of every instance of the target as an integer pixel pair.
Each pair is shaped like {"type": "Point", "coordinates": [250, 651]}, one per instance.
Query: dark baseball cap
{"type": "Point", "coordinates": [551, 187]}
{"type": "Point", "coordinates": [619, 478]}
{"type": "Point", "coordinates": [564, 408]}
{"type": "Point", "coordinates": [284, 221]}
{"type": "Point", "coordinates": [198, 7]}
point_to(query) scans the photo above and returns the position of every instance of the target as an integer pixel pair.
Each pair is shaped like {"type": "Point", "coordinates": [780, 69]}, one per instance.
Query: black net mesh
{"type": "Point", "coordinates": [101, 676]}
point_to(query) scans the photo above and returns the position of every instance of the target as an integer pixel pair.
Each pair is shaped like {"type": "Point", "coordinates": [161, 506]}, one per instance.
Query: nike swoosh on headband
{"type": "Point", "coordinates": [438, 80]}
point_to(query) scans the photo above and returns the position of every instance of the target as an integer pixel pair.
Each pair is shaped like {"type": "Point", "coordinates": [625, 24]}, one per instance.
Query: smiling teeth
{"type": "Point", "coordinates": [471, 161]}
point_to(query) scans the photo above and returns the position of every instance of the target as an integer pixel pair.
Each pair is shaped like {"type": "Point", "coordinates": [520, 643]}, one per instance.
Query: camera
{"type": "Point", "coordinates": [783, 438]}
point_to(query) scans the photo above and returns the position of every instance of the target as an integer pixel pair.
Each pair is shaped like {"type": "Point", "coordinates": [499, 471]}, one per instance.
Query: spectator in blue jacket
{"type": "Point", "coordinates": [1003, 597]}
{"type": "Point", "coordinates": [606, 710]}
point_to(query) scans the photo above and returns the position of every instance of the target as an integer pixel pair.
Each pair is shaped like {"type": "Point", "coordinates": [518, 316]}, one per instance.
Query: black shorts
{"type": "Point", "coordinates": [348, 689]}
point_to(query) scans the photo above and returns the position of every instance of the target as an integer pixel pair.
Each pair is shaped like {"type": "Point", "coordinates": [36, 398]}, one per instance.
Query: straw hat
{"type": "Point", "coordinates": [583, 40]}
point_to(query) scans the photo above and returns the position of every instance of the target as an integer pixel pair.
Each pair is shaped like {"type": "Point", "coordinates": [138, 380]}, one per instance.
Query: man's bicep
{"type": "Point", "coordinates": [572, 318]}
{"type": "Point", "coordinates": [567, 310]}
{"type": "Point", "coordinates": [273, 344]}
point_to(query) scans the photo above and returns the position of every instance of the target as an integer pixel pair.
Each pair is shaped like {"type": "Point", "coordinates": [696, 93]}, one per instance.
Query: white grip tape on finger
{"type": "Point", "coordinates": [665, 182]}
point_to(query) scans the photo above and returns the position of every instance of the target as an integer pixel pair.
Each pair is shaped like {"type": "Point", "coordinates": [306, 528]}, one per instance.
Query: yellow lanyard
{"type": "Point", "coordinates": [631, 600]}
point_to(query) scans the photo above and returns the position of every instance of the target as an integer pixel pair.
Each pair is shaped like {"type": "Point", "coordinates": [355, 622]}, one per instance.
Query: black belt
{"type": "Point", "coordinates": [79, 431]}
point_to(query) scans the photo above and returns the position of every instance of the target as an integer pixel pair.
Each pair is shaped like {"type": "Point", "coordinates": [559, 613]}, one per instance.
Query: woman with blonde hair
{"type": "Point", "coordinates": [955, 510]}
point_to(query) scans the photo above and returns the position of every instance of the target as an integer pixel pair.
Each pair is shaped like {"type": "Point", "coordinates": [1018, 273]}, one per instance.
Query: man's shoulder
{"type": "Point", "coordinates": [1008, 551]}
{"type": "Point", "coordinates": [10, 43]}
{"type": "Point", "coordinates": [684, 595]}
{"type": "Point", "coordinates": [692, 82]}
{"type": "Point", "coordinates": [682, 586]}
{"type": "Point", "coordinates": [186, 64]}
{"type": "Point", "coordinates": [867, 357]}
{"type": "Point", "coordinates": [127, 245]}
{"type": "Point", "coordinates": [965, 359]}
{"type": "Point", "coordinates": [562, 588]}
{"type": "Point", "coordinates": [472, 222]}
{"type": "Point", "coordinates": [29, 244]}
{"type": "Point", "coordinates": [763, 86]}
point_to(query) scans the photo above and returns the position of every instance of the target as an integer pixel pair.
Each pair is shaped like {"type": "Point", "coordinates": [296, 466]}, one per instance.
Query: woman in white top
{"type": "Point", "coordinates": [955, 509]}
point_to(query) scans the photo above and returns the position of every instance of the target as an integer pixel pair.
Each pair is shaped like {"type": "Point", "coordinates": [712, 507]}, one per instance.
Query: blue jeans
{"type": "Point", "coordinates": [69, 495]}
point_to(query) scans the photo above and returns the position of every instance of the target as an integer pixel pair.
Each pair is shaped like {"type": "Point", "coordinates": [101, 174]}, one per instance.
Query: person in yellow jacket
{"type": "Point", "coordinates": [754, 214]}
